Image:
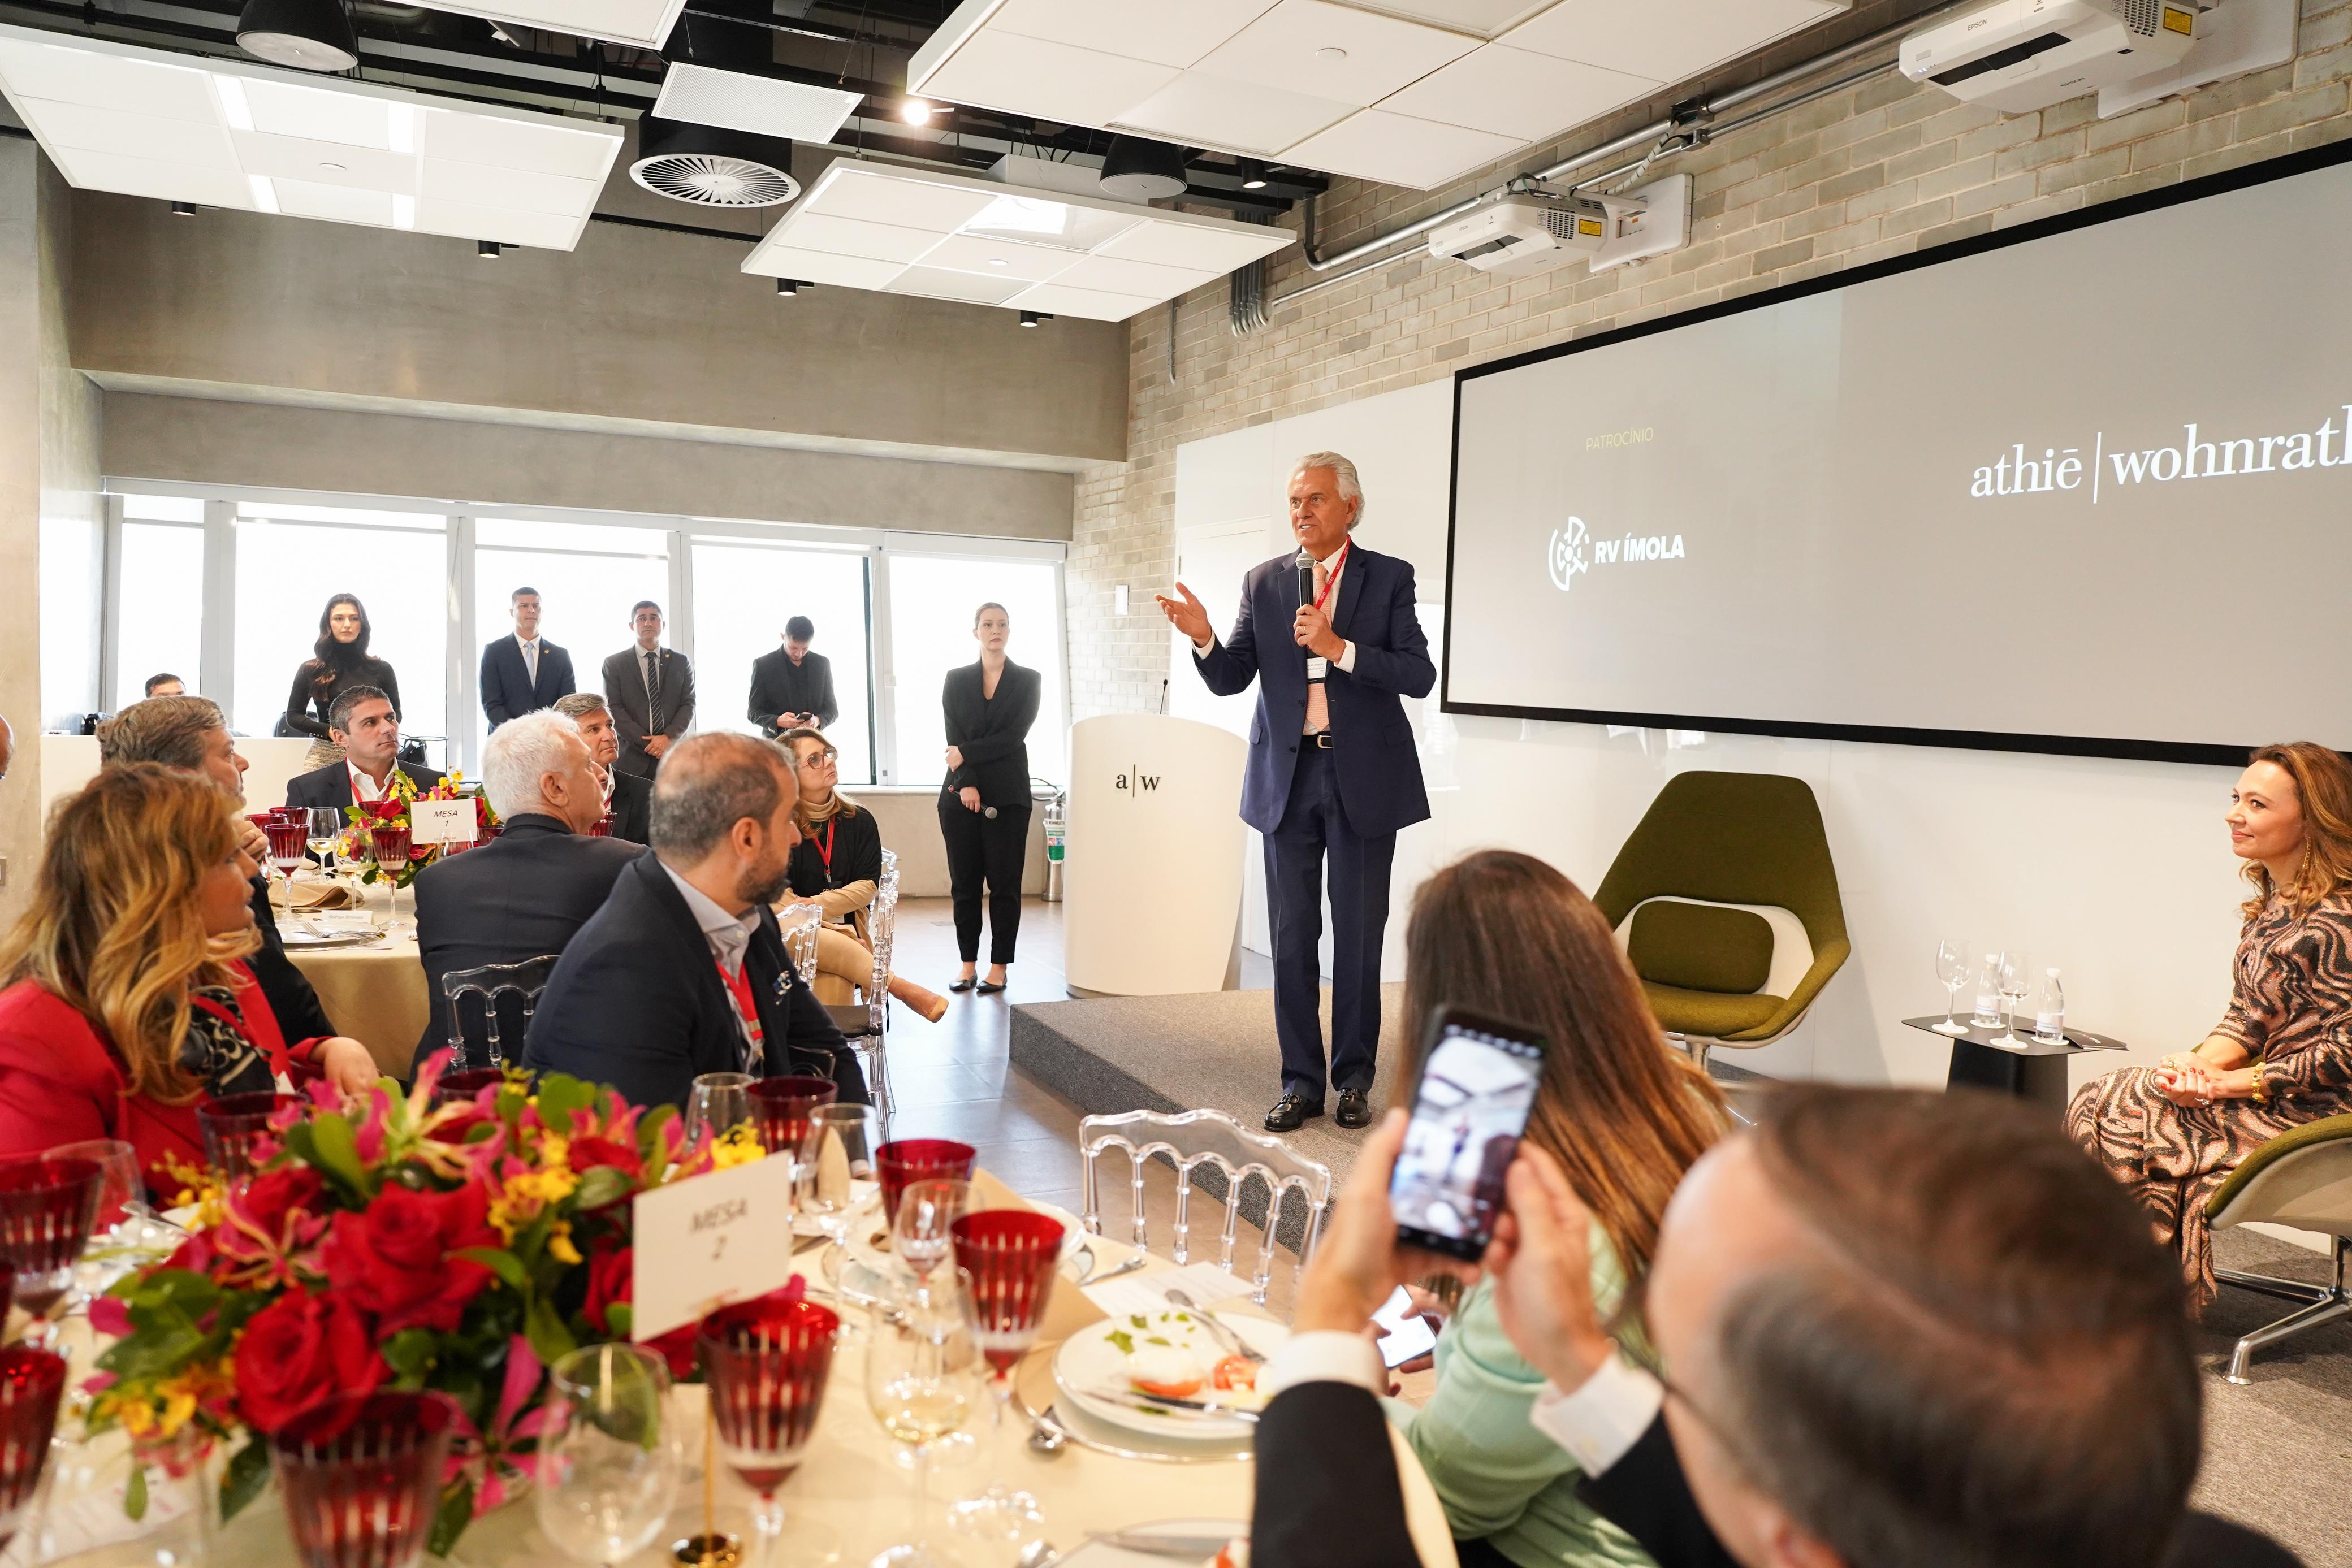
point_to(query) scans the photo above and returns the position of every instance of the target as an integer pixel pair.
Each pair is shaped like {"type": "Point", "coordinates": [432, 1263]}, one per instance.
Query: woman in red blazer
{"type": "Point", "coordinates": [129, 1002]}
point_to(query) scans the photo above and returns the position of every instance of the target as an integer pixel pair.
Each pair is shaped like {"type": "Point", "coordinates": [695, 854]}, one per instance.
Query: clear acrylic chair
{"type": "Point", "coordinates": [1190, 1140]}
{"type": "Point", "coordinates": [492, 983]}
{"type": "Point", "coordinates": [799, 924]}
{"type": "Point", "coordinates": [866, 1024]}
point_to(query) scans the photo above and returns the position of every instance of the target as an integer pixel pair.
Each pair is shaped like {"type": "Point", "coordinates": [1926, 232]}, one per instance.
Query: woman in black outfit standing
{"type": "Point", "coordinates": [340, 661]}
{"type": "Point", "coordinates": [984, 801]}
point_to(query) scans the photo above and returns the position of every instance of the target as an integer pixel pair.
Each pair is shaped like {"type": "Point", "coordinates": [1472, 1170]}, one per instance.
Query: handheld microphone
{"type": "Point", "coordinates": [989, 811]}
{"type": "Point", "coordinates": [1305, 578]}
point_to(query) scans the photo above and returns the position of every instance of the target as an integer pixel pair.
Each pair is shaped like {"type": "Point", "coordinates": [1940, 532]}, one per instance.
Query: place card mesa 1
{"type": "Point", "coordinates": [708, 1241]}
{"type": "Point", "coordinates": [441, 823]}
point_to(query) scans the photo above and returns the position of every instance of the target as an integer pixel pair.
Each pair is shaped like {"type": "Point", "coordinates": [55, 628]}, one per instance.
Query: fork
{"type": "Point", "coordinates": [1235, 1344]}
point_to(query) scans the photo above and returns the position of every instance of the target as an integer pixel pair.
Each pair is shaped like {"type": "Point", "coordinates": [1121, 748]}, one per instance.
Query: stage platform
{"type": "Point", "coordinates": [1214, 1050]}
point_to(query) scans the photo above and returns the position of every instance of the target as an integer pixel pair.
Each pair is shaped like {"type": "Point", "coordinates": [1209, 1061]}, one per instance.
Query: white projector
{"type": "Point", "coordinates": [1523, 234]}
{"type": "Point", "coordinates": [2016, 55]}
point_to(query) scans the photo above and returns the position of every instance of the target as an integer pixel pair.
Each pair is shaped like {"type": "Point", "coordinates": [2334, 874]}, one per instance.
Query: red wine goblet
{"type": "Point", "coordinates": [1005, 1261]}
{"type": "Point", "coordinates": [766, 1362]}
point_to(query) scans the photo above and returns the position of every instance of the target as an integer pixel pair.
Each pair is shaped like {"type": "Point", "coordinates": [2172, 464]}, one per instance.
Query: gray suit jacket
{"type": "Point", "coordinates": [624, 693]}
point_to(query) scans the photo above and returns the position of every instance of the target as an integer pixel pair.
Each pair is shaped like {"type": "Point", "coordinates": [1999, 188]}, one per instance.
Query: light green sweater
{"type": "Point", "coordinates": [1498, 1477]}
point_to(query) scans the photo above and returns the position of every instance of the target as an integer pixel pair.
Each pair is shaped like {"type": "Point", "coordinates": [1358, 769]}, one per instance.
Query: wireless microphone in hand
{"type": "Point", "coordinates": [1317, 668]}
{"type": "Point", "coordinates": [989, 811]}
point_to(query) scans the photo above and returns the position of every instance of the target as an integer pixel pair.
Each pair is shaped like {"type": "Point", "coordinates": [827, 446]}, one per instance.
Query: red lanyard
{"type": "Point", "coordinates": [1332, 580]}
{"type": "Point", "coordinates": [747, 1007]}
{"type": "Point", "coordinates": [824, 849]}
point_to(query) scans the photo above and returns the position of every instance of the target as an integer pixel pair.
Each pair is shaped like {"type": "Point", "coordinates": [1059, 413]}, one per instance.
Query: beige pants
{"type": "Point", "coordinates": [842, 961]}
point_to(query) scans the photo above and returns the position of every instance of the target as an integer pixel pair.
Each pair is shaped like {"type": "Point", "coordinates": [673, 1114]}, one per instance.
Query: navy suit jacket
{"type": "Point", "coordinates": [637, 1002]}
{"type": "Point", "coordinates": [1378, 772]}
{"type": "Point", "coordinates": [508, 690]}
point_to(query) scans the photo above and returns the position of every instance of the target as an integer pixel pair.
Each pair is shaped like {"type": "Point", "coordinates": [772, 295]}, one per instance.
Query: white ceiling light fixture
{"type": "Point", "coordinates": [915, 111]}
{"type": "Point", "coordinates": [949, 236]}
{"type": "Point", "coordinates": [221, 134]}
{"type": "Point", "coordinates": [1407, 92]}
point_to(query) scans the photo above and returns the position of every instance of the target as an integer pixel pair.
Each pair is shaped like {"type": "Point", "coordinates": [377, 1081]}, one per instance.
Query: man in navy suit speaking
{"type": "Point", "coordinates": [1330, 636]}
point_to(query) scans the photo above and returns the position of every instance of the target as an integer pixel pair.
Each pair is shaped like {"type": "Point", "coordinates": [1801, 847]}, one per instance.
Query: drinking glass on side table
{"type": "Point", "coordinates": [1952, 969]}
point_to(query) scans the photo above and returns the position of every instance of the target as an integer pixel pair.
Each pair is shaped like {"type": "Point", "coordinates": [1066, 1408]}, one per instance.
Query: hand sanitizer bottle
{"type": "Point", "coordinates": [2050, 1010]}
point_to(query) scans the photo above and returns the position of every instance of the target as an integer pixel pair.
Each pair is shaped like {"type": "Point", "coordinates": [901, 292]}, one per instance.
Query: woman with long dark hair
{"type": "Point", "coordinates": [338, 660]}
{"type": "Point", "coordinates": [1622, 1113]}
{"type": "Point", "coordinates": [984, 800]}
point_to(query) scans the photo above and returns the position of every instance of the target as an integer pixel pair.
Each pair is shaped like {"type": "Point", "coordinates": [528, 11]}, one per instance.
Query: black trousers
{"type": "Point", "coordinates": [1315, 832]}
{"type": "Point", "coordinates": [990, 850]}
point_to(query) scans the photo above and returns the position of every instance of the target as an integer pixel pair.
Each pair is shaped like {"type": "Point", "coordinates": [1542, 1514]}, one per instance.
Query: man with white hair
{"type": "Point", "coordinates": [524, 894]}
{"type": "Point", "coordinates": [1330, 637]}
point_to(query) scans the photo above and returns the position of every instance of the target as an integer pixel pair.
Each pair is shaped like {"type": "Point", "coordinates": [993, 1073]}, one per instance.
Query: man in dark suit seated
{"type": "Point", "coordinates": [682, 972]}
{"type": "Point", "coordinates": [1890, 1327]}
{"type": "Point", "coordinates": [629, 796]}
{"type": "Point", "coordinates": [363, 723]}
{"type": "Point", "coordinates": [524, 672]}
{"type": "Point", "coordinates": [526, 893]}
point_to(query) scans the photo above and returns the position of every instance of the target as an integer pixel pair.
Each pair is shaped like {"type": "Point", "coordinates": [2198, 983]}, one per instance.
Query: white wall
{"type": "Point", "coordinates": [2118, 873]}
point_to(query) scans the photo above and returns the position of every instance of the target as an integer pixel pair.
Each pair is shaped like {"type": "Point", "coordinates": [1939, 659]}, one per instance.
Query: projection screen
{"type": "Point", "coordinates": [2071, 487]}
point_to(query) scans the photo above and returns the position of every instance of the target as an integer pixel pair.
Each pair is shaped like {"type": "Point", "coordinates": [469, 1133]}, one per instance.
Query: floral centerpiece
{"type": "Point", "coordinates": [391, 1243]}
{"type": "Point", "coordinates": [396, 810]}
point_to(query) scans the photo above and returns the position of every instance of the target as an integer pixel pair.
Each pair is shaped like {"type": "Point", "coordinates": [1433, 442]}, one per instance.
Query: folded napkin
{"type": "Point", "coordinates": [312, 896]}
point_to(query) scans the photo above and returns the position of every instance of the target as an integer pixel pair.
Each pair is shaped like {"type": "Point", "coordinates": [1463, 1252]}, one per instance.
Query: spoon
{"type": "Point", "coordinates": [1037, 1554]}
{"type": "Point", "coordinates": [1130, 1267]}
{"type": "Point", "coordinates": [1046, 1434]}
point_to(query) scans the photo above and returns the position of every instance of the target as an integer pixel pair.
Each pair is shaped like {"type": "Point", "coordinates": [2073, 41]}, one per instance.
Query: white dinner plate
{"type": "Point", "coordinates": [1101, 1356]}
{"type": "Point", "coordinates": [1103, 1554]}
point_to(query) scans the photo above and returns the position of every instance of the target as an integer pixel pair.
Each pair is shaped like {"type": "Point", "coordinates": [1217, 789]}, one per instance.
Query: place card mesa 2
{"type": "Point", "coordinates": [708, 1241]}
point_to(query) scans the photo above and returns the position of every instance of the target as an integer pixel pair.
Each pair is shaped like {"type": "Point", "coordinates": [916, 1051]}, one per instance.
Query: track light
{"type": "Point", "coordinates": [1253, 174]}
{"type": "Point", "coordinates": [915, 111]}
{"type": "Point", "coordinates": [184, 209]}
{"type": "Point", "coordinates": [1031, 317]}
{"type": "Point", "coordinates": [791, 286]}
{"type": "Point", "coordinates": [308, 35]}
{"type": "Point", "coordinates": [487, 250]}
{"type": "Point", "coordinates": [1138, 169]}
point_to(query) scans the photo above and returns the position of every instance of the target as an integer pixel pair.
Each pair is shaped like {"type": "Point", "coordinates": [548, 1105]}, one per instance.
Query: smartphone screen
{"type": "Point", "coordinates": [1405, 1333]}
{"type": "Point", "coordinates": [1478, 1080]}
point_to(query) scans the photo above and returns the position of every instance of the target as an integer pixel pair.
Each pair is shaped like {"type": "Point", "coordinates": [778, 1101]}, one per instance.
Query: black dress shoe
{"type": "Point", "coordinates": [967, 983]}
{"type": "Point", "coordinates": [990, 987]}
{"type": "Point", "coordinates": [1291, 1113]}
{"type": "Point", "coordinates": [1354, 1109]}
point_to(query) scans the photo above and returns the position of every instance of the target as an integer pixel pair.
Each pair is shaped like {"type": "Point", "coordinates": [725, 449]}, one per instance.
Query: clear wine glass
{"type": "Point", "coordinates": [922, 1379]}
{"type": "Point", "coordinates": [842, 1153]}
{"type": "Point", "coordinates": [920, 1237]}
{"type": "Point", "coordinates": [609, 1461]}
{"type": "Point", "coordinates": [2013, 971]}
{"type": "Point", "coordinates": [1988, 1013]}
{"type": "Point", "coordinates": [718, 1103]}
{"type": "Point", "coordinates": [1952, 969]}
{"type": "Point", "coordinates": [326, 833]}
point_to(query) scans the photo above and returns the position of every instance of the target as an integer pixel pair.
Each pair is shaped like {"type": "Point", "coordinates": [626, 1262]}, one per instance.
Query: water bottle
{"type": "Point", "coordinates": [2050, 1010]}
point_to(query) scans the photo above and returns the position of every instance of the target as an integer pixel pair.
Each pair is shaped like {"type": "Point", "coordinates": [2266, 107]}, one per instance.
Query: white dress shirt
{"type": "Point", "coordinates": [365, 788]}
{"type": "Point", "coordinates": [1598, 1423]}
{"type": "Point", "coordinates": [729, 936]}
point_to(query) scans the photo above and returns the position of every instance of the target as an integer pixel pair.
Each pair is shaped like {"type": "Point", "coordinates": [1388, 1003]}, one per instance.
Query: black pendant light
{"type": "Point", "coordinates": [308, 35]}
{"type": "Point", "coordinates": [1139, 169]}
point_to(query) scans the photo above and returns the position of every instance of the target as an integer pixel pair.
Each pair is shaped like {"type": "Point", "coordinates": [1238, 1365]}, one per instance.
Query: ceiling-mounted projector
{"type": "Point", "coordinates": [2016, 55]}
{"type": "Point", "coordinates": [1523, 234]}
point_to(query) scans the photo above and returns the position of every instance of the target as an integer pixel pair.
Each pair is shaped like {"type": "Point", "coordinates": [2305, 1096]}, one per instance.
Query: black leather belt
{"type": "Point", "coordinates": [1320, 740]}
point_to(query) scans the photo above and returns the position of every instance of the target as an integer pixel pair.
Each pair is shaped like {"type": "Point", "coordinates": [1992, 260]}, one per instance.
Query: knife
{"type": "Point", "coordinates": [1198, 1547]}
{"type": "Point", "coordinates": [1134, 1400]}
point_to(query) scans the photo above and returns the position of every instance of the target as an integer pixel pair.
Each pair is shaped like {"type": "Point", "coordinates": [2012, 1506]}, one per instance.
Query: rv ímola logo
{"type": "Point", "coordinates": [1564, 557]}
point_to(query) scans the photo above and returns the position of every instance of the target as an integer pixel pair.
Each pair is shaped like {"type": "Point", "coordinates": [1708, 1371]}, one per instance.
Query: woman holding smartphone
{"type": "Point", "coordinates": [1624, 1113]}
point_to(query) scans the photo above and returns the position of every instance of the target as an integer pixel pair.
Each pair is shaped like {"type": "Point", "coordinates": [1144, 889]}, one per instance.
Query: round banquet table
{"type": "Point", "coordinates": [849, 1499]}
{"type": "Point", "coordinates": [374, 992]}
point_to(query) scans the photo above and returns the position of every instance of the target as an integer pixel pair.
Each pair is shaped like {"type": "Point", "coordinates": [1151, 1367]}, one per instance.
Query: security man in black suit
{"type": "Point", "coordinates": [364, 724]}
{"type": "Point", "coordinates": [792, 688]}
{"type": "Point", "coordinates": [683, 971]}
{"type": "Point", "coordinates": [524, 672]}
{"type": "Point", "coordinates": [526, 893]}
{"type": "Point", "coordinates": [629, 796]}
{"type": "Point", "coordinates": [650, 689]}
{"type": "Point", "coordinates": [1890, 1328]}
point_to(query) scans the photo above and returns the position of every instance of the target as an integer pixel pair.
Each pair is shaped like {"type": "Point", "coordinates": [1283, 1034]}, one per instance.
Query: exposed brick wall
{"type": "Point", "coordinates": [1882, 168]}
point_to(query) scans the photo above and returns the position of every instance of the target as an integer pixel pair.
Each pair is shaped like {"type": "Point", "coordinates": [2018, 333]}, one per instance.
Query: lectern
{"type": "Point", "coordinates": [1152, 880]}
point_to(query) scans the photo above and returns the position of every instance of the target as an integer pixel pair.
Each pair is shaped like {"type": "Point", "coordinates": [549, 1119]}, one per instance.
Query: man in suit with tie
{"type": "Point", "coordinates": [524, 672]}
{"type": "Point", "coordinates": [650, 689]}
{"type": "Point", "coordinates": [627, 797]}
{"type": "Point", "coordinates": [1882, 1327]}
{"type": "Point", "coordinates": [363, 723]}
{"type": "Point", "coordinates": [526, 893]}
{"type": "Point", "coordinates": [1330, 637]}
{"type": "Point", "coordinates": [683, 972]}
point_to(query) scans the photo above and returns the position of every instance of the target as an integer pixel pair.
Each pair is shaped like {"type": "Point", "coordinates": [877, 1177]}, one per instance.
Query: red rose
{"type": "Point", "coordinates": [270, 1198]}
{"type": "Point", "coordinates": [387, 810]}
{"type": "Point", "coordinates": [394, 1256]}
{"type": "Point", "coordinates": [590, 1152]}
{"type": "Point", "coordinates": [299, 1352]}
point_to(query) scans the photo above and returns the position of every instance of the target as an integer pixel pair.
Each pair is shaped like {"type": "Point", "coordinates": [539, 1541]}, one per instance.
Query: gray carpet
{"type": "Point", "coordinates": [2278, 1453]}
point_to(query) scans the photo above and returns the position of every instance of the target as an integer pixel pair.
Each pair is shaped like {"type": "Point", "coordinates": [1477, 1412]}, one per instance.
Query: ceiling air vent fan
{"type": "Point", "coordinates": [712, 167]}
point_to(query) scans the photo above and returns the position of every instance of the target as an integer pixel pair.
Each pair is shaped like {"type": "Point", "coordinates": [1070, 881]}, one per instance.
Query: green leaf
{"type": "Point", "coordinates": [1124, 1340]}
{"type": "Point", "coordinates": [410, 1353]}
{"type": "Point", "coordinates": [550, 1339]}
{"type": "Point", "coordinates": [560, 1097]}
{"type": "Point", "coordinates": [600, 1187]}
{"type": "Point", "coordinates": [649, 1134]}
{"type": "Point", "coordinates": [247, 1474]}
{"type": "Point", "coordinates": [620, 1317]}
{"type": "Point", "coordinates": [337, 1152]}
{"type": "Point", "coordinates": [450, 1520]}
{"type": "Point", "coordinates": [499, 1261]}
{"type": "Point", "coordinates": [134, 1495]}
{"type": "Point", "coordinates": [154, 1352]}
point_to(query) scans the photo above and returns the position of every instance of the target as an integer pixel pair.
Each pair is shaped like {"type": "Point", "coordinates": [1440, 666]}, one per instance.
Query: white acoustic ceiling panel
{"type": "Point", "coordinates": [764, 106]}
{"type": "Point", "coordinates": [1407, 92]}
{"type": "Point", "coordinates": [980, 242]}
{"type": "Point", "coordinates": [222, 134]}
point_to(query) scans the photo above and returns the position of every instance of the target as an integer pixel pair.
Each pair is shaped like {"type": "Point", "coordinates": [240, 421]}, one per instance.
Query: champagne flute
{"type": "Point", "coordinates": [1952, 969]}
{"type": "Point", "coordinates": [921, 1382]}
{"type": "Point", "coordinates": [608, 1457]}
{"type": "Point", "coordinates": [2013, 970]}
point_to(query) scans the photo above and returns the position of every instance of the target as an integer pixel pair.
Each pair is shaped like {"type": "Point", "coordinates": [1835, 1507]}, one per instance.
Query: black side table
{"type": "Point", "coordinates": [2030, 1069]}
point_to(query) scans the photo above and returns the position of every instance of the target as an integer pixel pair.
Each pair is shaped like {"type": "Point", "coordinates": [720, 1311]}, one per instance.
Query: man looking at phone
{"type": "Point", "coordinates": [1890, 1328]}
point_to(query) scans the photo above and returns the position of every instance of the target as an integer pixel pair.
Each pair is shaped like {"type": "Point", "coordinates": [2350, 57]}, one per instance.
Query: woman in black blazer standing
{"type": "Point", "coordinates": [339, 662]}
{"type": "Point", "coordinates": [984, 801]}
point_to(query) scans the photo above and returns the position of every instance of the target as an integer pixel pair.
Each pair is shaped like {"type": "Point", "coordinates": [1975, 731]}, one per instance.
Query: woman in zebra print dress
{"type": "Point", "coordinates": [2282, 1055]}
